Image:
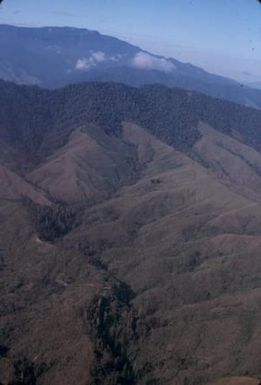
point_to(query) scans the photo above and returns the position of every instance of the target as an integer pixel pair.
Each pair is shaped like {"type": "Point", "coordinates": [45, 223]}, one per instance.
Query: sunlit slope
{"type": "Point", "coordinates": [90, 166]}
{"type": "Point", "coordinates": [188, 245]}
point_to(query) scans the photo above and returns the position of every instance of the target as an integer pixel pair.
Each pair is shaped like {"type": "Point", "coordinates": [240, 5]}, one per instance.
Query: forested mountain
{"type": "Point", "coordinates": [130, 237]}
{"type": "Point", "coordinates": [53, 57]}
{"type": "Point", "coordinates": [29, 115]}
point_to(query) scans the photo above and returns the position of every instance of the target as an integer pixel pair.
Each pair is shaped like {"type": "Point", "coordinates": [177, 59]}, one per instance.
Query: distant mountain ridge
{"type": "Point", "coordinates": [256, 85]}
{"type": "Point", "coordinates": [52, 57]}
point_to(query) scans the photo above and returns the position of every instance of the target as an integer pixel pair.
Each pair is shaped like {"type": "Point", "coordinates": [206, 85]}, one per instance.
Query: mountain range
{"type": "Point", "coordinates": [53, 57]}
{"type": "Point", "coordinates": [130, 236]}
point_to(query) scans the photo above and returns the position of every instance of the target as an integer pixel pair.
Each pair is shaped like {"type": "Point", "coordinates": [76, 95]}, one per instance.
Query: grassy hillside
{"type": "Point", "coordinates": [130, 238]}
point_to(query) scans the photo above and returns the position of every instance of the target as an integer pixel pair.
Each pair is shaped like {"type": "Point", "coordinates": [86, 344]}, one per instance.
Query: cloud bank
{"type": "Point", "coordinates": [143, 60]}
{"type": "Point", "coordinates": [95, 58]}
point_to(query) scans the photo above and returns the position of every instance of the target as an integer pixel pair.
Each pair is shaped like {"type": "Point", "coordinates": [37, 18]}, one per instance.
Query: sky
{"type": "Point", "coordinates": [223, 36]}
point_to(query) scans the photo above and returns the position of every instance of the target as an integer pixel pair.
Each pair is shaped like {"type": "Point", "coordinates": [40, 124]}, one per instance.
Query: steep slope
{"type": "Point", "coordinates": [233, 162]}
{"type": "Point", "coordinates": [145, 267]}
{"type": "Point", "coordinates": [54, 57]}
{"type": "Point", "coordinates": [13, 187]}
{"type": "Point", "coordinates": [87, 168]}
{"type": "Point", "coordinates": [187, 245]}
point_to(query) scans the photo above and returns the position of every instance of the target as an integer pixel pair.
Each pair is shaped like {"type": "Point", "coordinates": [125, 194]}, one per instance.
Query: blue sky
{"type": "Point", "coordinates": [222, 36]}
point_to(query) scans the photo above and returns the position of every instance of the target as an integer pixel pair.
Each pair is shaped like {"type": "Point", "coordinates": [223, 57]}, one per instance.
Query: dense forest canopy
{"type": "Point", "coordinates": [30, 115]}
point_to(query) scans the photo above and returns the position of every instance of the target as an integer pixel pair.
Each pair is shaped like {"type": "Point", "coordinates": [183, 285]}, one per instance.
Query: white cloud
{"type": "Point", "coordinates": [98, 56]}
{"type": "Point", "coordinates": [144, 60]}
{"type": "Point", "coordinates": [85, 63]}
{"type": "Point", "coordinates": [141, 60]}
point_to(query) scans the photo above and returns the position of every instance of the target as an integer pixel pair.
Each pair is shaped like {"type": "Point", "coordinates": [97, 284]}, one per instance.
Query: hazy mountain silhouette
{"type": "Point", "coordinates": [53, 57]}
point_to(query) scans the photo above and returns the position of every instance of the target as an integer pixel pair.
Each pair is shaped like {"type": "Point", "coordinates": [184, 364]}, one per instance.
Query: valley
{"type": "Point", "coordinates": [130, 237]}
